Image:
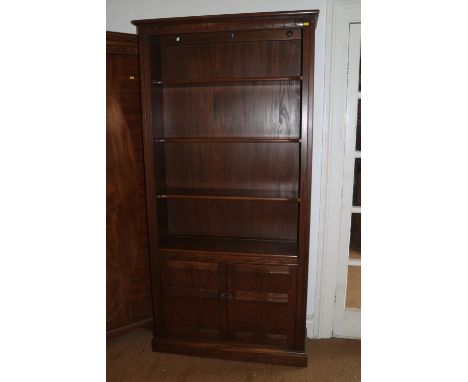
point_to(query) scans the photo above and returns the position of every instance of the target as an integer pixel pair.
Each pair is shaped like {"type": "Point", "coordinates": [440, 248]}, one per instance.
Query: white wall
{"type": "Point", "coordinates": [121, 12]}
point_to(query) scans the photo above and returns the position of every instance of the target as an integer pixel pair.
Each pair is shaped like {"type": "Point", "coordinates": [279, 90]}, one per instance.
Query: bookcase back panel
{"type": "Point", "coordinates": [230, 37]}
{"type": "Point", "coordinates": [231, 60]}
{"type": "Point", "coordinates": [259, 166]}
{"type": "Point", "coordinates": [233, 110]}
{"type": "Point", "coordinates": [228, 218]}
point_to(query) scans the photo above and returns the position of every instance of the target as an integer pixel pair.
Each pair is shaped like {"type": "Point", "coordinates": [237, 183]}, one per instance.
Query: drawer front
{"type": "Point", "coordinates": [261, 304]}
{"type": "Point", "coordinates": [192, 308]}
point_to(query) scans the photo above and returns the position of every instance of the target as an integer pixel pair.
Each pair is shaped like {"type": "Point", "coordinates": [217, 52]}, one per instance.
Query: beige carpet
{"type": "Point", "coordinates": [129, 358]}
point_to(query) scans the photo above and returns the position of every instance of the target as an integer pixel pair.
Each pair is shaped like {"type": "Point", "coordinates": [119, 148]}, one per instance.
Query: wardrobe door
{"type": "Point", "coordinates": [128, 285]}
{"type": "Point", "coordinates": [261, 304]}
{"type": "Point", "coordinates": [192, 298]}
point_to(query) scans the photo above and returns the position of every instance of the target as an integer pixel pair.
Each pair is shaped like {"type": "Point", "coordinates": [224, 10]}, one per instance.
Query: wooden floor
{"type": "Point", "coordinates": [129, 358]}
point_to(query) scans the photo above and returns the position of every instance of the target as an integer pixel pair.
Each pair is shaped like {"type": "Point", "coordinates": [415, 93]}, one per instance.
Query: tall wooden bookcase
{"type": "Point", "coordinates": [227, 120]}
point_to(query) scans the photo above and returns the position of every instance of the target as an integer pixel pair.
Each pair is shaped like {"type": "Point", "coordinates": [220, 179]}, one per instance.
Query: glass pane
{"type": "Point", "coordinates": [358, 127]}
{"type": "Point", "coordinates": [359, 73]}
{"type": "Point", "coordinates": [357, 183]}
{"type": "Point", "coordinates": [353, 287]}
{"type": "Point", "coordinates": [355, 240]}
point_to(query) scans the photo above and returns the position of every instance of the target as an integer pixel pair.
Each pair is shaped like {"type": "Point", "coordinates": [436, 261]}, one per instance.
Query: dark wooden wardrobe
{"type": "Point", "coordinates": [128, 275]}
{"type": "Point", "coordinates": [227, 123]}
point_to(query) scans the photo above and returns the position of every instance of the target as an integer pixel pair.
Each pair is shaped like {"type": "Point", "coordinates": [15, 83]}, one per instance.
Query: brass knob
{"type": "Point", "coordinates": [289, 33]}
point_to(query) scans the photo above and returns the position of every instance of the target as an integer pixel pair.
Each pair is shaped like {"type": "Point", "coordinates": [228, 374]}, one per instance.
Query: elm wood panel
{"type": "Point", "coordinates": [308, 40]}
{"type": "Point", "coordinates": [147, 69]}
{"type": "Point", "coordinates": [192, 308]}
{"type": "Point", "coordinates": [227, 37]}
{"type": "Point", "coordinates": [155, 167]}
{"type": "Point", "coordinates": [231, 194]}
{"type": "Point", "coordinates": [228, 140]}
{"type": "Point", "coordinates": [257, 322]}
{"type": "Point", "coordinates": [223, 81]}
{"type": "Point", "coordinates": [220, 246]}
{"type": "Point", "coordinates": [231, 351]}
{"type": "Point", "coordinates": [260, 110]}
{"type": "Point", "coordinates": [157, 179]}
{"type": "Point", "coordinates": [259, 166]}
{"type": "Point", "coordinates": [127, 266]}
{"type": "Point", "coordinates": [249, 59]}
{"type": "Point", "coordinates": [256, 296]}
{"type": "Point", "coordinates": [233, 218]}
{"type": "Point", "coordinates": [227, 22]}
{"type": "Point", "coordinates": [247, 22]}
{"type": "Point", "coordinates": [261, 309]}
{"type": "Point", "coordinates": [157, 99]}
{"type": "Point", "coordinates": [267, 339]}
{"type": "Point", "coordinates": [251, 258]}
{"type": "Point", "coordinates": [121, 43]}
{"type": "Point", "coordinates": [123, 84]}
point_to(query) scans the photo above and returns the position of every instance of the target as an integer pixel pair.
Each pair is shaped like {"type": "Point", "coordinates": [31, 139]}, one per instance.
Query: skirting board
{"type": "Point", "coordinates": [310, 326]}
{"type": "Point", "coordinates": [147, 324]}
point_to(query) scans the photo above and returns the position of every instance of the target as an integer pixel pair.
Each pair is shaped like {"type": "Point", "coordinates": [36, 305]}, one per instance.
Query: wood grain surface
{"type": "Point", "coordinates": [227, 119]}
{"type": "Point", "coordinates": [128, 276]}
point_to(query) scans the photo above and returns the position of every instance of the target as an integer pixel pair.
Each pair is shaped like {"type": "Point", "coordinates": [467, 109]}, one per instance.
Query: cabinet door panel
{"type": "Point", "coordinates": [128, 286]}
{"type": "Point", "coordinates": [261, 308]}
{"type": "Point", "coordinates": [192, 308]}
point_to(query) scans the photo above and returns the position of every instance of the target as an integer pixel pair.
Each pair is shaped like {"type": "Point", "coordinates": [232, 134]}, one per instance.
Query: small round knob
{"type": "Point", "coordinates": [177, 38]}
{"type": "Point", "coordinates": [289, 33]}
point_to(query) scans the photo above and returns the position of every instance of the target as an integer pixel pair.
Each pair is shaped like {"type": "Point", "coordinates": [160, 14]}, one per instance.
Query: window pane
{"type": "Point", "coordinates": [357, 183]}
{"type": "Point", "coordinates": [358, 127]}
{"type": "Point", "coordinates": [355, 240]}
{"type": "Point", "coordinates": [359, 74]}
{"type": "Point", "coordinates": [353, 287]}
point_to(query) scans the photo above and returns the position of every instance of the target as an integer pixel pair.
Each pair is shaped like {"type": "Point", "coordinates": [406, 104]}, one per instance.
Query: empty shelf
{"type": "Point", "coordinates": [213, 81]}
{"type": "Point", "coordinates": [230, 194]}
{"type": "Point", "coordinates": [229, 245]}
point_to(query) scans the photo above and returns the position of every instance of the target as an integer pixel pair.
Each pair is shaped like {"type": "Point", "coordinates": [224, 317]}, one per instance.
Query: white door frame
{"type": "Point", "coordinates": [340, 14]}
{"type": "Point", "coordinates": [347, 321]}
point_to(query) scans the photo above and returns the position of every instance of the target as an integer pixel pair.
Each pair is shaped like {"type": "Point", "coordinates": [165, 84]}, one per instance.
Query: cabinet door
{"type": "Point", "coordinates": [128, 286]}
{"type": "Point", "coordinates": [192, 307]}
{"type": "Point", "coordinates": [261, 304]}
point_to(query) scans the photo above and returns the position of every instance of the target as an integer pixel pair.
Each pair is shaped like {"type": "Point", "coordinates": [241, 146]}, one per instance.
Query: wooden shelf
{"type": "Point", "coordinates": [229, 245]}
{"type": "Point", "coordinates": [214, 81]}
{"type": "Point", "coordinates": [228, 140]}
{"type": "Point", "coordinates": [230, 194]}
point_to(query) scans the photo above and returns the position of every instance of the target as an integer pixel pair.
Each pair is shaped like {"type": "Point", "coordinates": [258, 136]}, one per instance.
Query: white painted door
{"type": "Point", "coordinates": [347, 316]}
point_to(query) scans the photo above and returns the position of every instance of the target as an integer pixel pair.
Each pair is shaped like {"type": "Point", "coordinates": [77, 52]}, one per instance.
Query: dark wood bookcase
{"type": "Point", "coordinates": [227, 123]}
